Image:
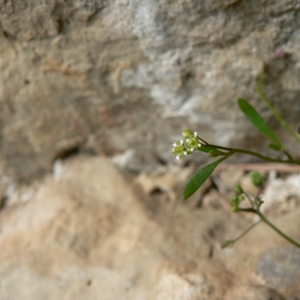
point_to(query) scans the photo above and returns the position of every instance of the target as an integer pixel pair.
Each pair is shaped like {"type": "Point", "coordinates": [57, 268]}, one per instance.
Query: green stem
{"type": "Point", "coordinates": [266, 158]}
{"type": "Point", "coordinates": [248, 198]}
{"type": "Point", "coordinates": [273, 110]}
{"type": "Point", "coordinates": [246, 231]}
{"type": "Point", "coordinates": [231, 242]}
{"type": "Point", "coordinates": [266, 221]}
{"type": "Point", "coordinates": [288, 155]}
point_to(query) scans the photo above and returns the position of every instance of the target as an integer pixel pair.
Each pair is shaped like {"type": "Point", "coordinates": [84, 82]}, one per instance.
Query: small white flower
{"type": "Point", "coordinates": [192, 149]}
{"type": "Point", "coordinates": [195, 134]}
{"type": "Point", "coordinates": [187, 140]}
{"type": "Point", "coordinates": [181, 142]}
{"type": "Point", "coordinates": [184, 152]}
{"type": "Point", "coordinates": [199, 145]}
{"type": "Point", "coordinates": [177, 157]}
{"type": "Point", "coordinates": [174, 144]}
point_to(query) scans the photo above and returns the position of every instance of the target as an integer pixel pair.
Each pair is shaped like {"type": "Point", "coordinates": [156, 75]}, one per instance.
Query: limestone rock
{"type": "Point", "coordinates": [107, 76]}
{"type": "Point", "coordinates": [279, 268]}
{"type": "Point", "coordinates": [88, 233]}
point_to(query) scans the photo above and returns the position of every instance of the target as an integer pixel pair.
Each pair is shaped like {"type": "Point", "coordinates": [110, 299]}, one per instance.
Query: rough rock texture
{"type": "Point", "coordinates": [90, 233]}
{"type": "Point", "coordinates": [110, 76]}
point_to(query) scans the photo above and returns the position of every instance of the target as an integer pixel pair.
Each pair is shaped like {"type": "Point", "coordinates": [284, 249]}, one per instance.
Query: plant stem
{"type": "Point", "coordinates": [266, 221]}
{"type": "Point", "coordinates": [228, 243]}
{"type": "Point", "coordinates": [288, 154]}
{"type": "Point", "coordinates": [246, 231]}
{"type": "Point", "coordinates": [275, 113]}
{"type": "Point", "coordinates": [266, 158]}
{"type": "Point", "coordinates": [248, 198]}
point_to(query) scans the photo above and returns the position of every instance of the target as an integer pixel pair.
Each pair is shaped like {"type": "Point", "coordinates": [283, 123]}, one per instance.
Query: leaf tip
{"type": "Point", "coordinates": [185, 195]}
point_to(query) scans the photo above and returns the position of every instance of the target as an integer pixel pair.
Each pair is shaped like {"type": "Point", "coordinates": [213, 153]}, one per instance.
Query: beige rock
{"type": "Point", "coordinates": [282, 192]}
{"type": "Point", "coordinates": [229, 179]}
{"type": "Point", "coordinates": [88, 234]}
{"type": "Point", "coordinates": [166, 180]}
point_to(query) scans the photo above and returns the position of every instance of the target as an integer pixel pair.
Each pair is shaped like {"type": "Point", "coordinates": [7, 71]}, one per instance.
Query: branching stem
{"type": "Point", "coordinates": [256, 154]}
{"type": "Point", "coordinates": [266, 221]}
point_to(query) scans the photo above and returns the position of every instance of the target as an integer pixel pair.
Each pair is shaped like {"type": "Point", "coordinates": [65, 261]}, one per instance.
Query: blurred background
{"type": "Point", "coordinates": [92, 95]}
{"type": "Point", "coordinates": [112, 76]}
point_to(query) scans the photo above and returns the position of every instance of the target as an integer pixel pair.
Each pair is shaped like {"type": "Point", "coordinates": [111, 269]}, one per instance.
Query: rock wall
{"type": "Point", "coordinates": [128, 75]}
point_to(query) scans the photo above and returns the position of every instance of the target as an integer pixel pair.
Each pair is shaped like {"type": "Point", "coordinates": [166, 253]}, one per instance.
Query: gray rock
{"type": "Point", "coordinates": [280, 268]}
{"type": "Point", "coordinates": [107, 76]}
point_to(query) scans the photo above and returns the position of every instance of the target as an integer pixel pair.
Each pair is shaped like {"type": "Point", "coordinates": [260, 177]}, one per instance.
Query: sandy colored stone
{"type": "Point", "coordinates": [229, 179]}
{"type": "Point", "coordinates": [88, 232]}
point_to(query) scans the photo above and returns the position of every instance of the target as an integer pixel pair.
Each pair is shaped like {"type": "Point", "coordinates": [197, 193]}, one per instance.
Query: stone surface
{"type": "Point", "coordinates": [280, 268]}
{"type": "Point", "coordinates": [90, 232]}
{"type": "Point", "coordinates": [107, 76]}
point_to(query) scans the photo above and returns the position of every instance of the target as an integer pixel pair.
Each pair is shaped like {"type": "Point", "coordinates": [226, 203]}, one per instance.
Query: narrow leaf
{"type": "Point", "coordinates": [215, 152]}
{"type": "Point", "coordinates": [211, 150]}
{"type": "Point", "coordinates": [198, 179]}
{"type": "Point", "coordinates": [275, 147]}
{"type": "Point", "coordinates": [255, 118]}
{"type": "Point", "coordinates": [205, 149]}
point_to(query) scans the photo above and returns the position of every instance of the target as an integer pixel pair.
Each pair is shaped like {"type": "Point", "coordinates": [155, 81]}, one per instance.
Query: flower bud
{"type": "Point", "coordinates": [256, 178]}
{"type": "Point", "coordinates": [238, 190]}
{"type": "Point", "coordinates": [234, 199]}
{"type": "Point", "coordinates": [192, 142]}
{"type": "Point", "coordinates": [178, 148]}
{"type": "Point", "coordinates": [187, 133]}
{"type": "Point", "coordinates": [234, 208]}
{"type": "Point", "coordinates": [241, 198]}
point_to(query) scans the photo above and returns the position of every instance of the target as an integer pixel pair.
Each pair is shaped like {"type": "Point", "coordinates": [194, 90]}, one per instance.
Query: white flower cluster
{"type": "Point", "coordinates": [187, 145]}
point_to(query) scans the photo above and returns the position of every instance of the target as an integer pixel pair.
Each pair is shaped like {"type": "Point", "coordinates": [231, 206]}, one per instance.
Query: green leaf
{"type": "Point", "coordinates": [215, 152]}
{"type": "Point", "coordinates": [205, 149]}
{"type": "Point", "coordinates": [198, 179]}
{"type": "Point", "coordinates": [275, 147]}
{"type": "Point", "coordinates": [255, 118]}
{"type": "Point", "coordinates": [256, 178]}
